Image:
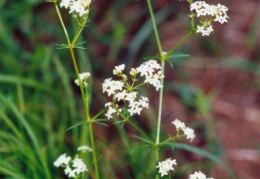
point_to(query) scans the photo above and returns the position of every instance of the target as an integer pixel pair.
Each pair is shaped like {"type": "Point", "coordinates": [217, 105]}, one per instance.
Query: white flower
{"type": "Point", "coordinates": [109, 113]}
{"type": "Point", "coordinates": [79, 166]}
{"type": "Point", "coordinates": [204, 30]}
{"type": "Point", "coordinates": [198, 175]}
{"type": "Point", "coordinates": [166, 166]}
{"type": "Point", "coordinates": [84, 148]}
{"type": "Point", "coordinates": [137, 106]}
{"type": "Point", "coordinates": [68, 171]}
{"type": "Point", "coordinates": [112, 86]}
{"type": "Point", "coordinates": [151, 70]}
{"type": "Point", "coordinates": [65, 3]}
{"type": "Point", "coordinates": [189, 133]}
{"type": "Point", "coordinates": [83, 77]}
{"type": "Point", "coordinates": [119, 69]}
{"type": "Point", "coordinates": [81, 7]}
{"type": "Point", "coordinates": [218, 13]}
{"type": "Point", "coordinates": [62, 160]}
{"type": "Point", "coordinates": [133, 72]}
{"type": "Point", "coordinates": [178, 124]}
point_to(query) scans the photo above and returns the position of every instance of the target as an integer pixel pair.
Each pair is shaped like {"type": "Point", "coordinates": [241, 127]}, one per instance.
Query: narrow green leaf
{"type": "Point", "coordinates": [142, 139]}
{"type": "Point", "coordinates": [170, 63]}
{"type": "Point", "coordinates": [76, 125]}
{"type": "Point", "coordinates": [203, 153]}
{"type": "Point", "coordinates": [100, 123]}
{"type": "Point", "coordinates": [178, 56]}
{"type": "Point", "coordinates": [100, 120]}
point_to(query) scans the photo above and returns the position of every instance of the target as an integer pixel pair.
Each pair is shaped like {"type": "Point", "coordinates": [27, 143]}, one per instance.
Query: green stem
{"type": "Point", "coordinates": [178, 44]}
{"type": "Point", "coordinates": [71, 44]}
{"type": "Point", "coordinates": [137, 86]}
{"type": "Point", "coordinates": [155, 28]}
{"type": "Point", "coordinates": [81, 27]}
{"type": "Point", "coordinates": [93, 150]}
{"type": "Point", "coordinates": [62, 23]}
{"type": "Point", "coordinates": [171, 139]}
{"type": "Point", "coordinates": [159, 116]}
{"type": "Point", "coordinates": [101, 112]}
{"type": "Point", "coordinates": [162, 58]}
{"type": "Point", "coordinates": [160, 105]}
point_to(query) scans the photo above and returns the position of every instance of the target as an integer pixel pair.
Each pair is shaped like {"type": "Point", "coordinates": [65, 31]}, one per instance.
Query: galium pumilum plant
{"type": "Point", "coordinates": [126, 102]}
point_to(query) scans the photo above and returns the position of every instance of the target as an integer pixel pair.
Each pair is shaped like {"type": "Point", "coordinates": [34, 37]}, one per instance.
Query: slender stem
{"type": "Point", "coordinates": [137, 86]}
{"type": "Point", "coordinates": [178, 44]}
{"type": "Point", "coordinates": [62, 23]}
{"type": "Point", "coordinates": [81, 27]}
{"type": "Point", "coordinates": [101, 112]}
{"type": "Point", "coordinates": [155, 28]}
{"type": "Point", "coordinates": [93, 151]}
{"type": "Point", "coordinates": [71, 44]}
{"type": "Point", "coordinates": [162, 58]}
{"type": "Point", "coordinates": [171, 139]}
{"type": "Point", "coordinates": [160, 105]}
{"type": "Point", "coordinates": [159, 116]}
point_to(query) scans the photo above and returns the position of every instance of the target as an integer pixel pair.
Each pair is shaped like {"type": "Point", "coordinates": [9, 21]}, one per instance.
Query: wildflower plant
{"type": "Point", "coordinates": [123, 89]}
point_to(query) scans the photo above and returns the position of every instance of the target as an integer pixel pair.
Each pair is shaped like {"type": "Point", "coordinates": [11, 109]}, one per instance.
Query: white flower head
{"type": "Point", "coordinates": [83, 78]}
{"type": "Point", "coordinates": [204, 30]}
{"type": "Point", "coordinates": [166, 166]}
{"type": "Point", "coordinates": [110, 111]}
{"type": "Point", "coordinates": [137, 106]}
{"type": "Point", "coordinates": [178, 124]}
{"type": "Point", "coordinates": [198, 175]}
{"type": "Point", "coordinates": [119, 69]}
{"type": "Point", "coordinates": [189, 133]}
{"type": "Point", "coordinates": [80, 7]}
{"type": "Point", "coordinates": [84, 148]}
{"type": "Point", "coordinates": [151, 70]}
{"type": "Point", "coordinates": [133, 72]}
{"type": "Point", "coordinates": [62, 160]}
{"type": "Point", "coordinates": [79, 166]}
{"type": "Point", "coordinates": [112, 86]}
{"type": "Point", "coordinates": [217, 13]}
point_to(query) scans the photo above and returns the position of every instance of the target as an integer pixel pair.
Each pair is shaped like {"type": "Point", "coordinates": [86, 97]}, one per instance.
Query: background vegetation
{"type": "Point", "coordinates": [216, 89]}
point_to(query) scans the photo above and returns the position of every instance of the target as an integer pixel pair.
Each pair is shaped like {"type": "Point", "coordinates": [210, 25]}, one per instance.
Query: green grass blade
{"type": "Point", "coordinates": [30, 132]}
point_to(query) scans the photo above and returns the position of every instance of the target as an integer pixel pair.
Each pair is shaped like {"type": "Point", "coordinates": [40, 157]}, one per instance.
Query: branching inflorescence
{"type": "Point", "coordinates": [123, 91]}
{"type": "Point", "coordinates": [207, 14]}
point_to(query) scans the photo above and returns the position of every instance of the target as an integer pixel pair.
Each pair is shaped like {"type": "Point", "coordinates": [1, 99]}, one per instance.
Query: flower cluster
{"type": "Point", "coordinates": [198, 175]}
{"type": "Point", "coordinates": [152, 72]}
{"type": "Point", "coordinates": [73, 167]}
{"type": "Point", "coordinates": [79, 7]}
{"type": "Point", "coordinates": [83, 78]}
{"type": "Point", "coordinates": [187, 131]}
{"type": "Point", "coordinates": [216, 13]}
{"type": "Point", "coordinates": [123, 90]}
{"type": "Point", "coordinates": [166, 166]}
